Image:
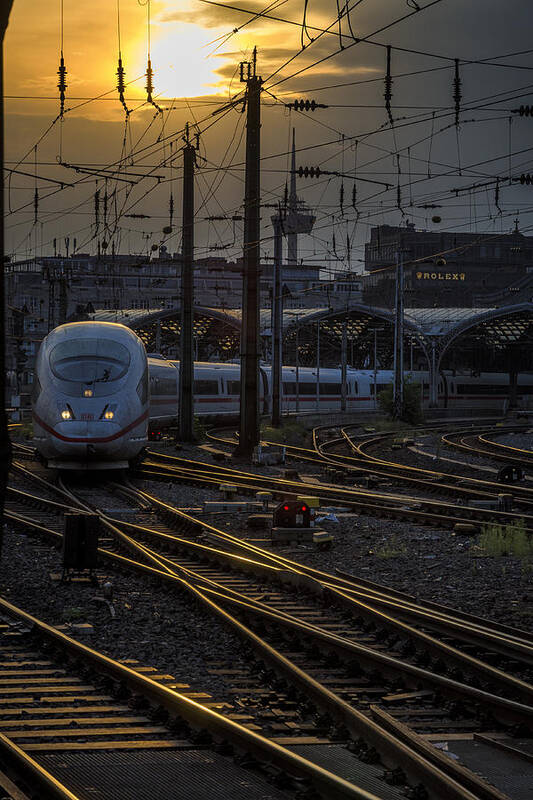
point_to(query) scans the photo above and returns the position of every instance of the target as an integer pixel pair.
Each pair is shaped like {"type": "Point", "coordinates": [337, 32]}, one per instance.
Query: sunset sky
{"type": "Point", "coordinates": [195, 59]}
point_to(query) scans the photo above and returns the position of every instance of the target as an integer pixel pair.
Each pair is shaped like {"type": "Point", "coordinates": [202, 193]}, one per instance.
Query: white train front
{"type": "Point", "coordinates": [90, 396]}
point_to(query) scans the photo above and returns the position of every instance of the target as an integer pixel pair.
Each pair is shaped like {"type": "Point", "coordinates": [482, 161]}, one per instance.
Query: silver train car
{"type": "Point", "coordinates": [217, 390]}
{"type": "Point", "coordinates": [90, 399]}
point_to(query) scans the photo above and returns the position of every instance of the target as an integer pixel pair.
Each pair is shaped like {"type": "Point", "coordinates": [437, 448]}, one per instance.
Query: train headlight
{"type": "Point", "coordinates": [66, 414]}
{"type": "Point", "coordinates": [109, 415]}
{"type": "Point", "coordinates": [88, 393]}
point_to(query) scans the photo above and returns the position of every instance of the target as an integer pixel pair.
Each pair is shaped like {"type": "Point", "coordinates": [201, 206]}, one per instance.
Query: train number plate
{"type": "Point", "coordinates": [87, 417]}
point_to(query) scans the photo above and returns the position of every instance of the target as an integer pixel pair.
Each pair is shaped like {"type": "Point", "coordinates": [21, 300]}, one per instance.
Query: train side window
{"type": "Point", "coordinates": [205, 387]}
{"type": "Point", "coordinates": [142, 388]}
{"type": "Point", "coordinates": [330, 389]}
{"type": "Point", "coordinates": [289, 387]}
{"type": "Point", "coordinates": [233, 387]}
{"type": "Point", "coordinates": [166, 386]}
{"type": "Point", "coordinates": [307, 388]}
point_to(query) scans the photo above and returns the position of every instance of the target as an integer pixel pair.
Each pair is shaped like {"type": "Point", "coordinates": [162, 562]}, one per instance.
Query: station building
{"type": "Point", "coordinates": [449, 269]}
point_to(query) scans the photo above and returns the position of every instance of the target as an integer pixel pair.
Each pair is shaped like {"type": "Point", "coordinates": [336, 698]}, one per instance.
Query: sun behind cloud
{"type": "Point", "coordinates": [180, 60]}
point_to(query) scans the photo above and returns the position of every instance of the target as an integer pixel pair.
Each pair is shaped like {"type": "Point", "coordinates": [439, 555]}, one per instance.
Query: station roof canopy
{"type": "Point", "coordinates": [217, 330]}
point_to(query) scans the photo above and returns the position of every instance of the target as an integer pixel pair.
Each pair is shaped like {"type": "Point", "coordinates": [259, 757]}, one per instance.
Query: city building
{"type": "Point", "coordinates": [449, 269]}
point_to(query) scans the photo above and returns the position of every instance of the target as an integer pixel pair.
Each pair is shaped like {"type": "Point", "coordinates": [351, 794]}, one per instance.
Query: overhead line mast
{"type": "Point", "coordinates": [250, 341]}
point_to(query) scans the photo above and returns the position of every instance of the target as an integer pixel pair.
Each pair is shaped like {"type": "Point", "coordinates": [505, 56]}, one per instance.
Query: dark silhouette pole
{"type": "Point", "coordinates": [186, 409]}
{"type": "Point", "coordinates": [249, 412]}
{"type": "Point", "coordinates": [5, 445]}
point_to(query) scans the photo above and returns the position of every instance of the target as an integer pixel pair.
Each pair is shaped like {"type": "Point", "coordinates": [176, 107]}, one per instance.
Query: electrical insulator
{"type": "Point", "coordinates": [457, 92]}
{"type": "Point", "coordinates": [309, 172]}
{"type": "Point", "coordinates": [62, 85]}
{"type": "Point", "coordinates": [388, 86]}
{"type": "Point", "coordinates": [524, 111]}
{"type": "Point", "coordinates": [167, 229]}
{"type": "Point", "coordinates": [305, 105]}
{"type": "Point", "coordinates": [150, 87]}
{"type": "Point", "coordinates": [121, 85]}
{"type": "Point", "coordinates": [526, 179]}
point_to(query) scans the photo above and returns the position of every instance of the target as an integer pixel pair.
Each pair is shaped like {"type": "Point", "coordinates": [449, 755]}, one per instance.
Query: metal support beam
{"type": "Point", "coordinates": [277, 322]}
{"type": "Point", "coordinates": [433, 377]}
{"type": "Point", "coordinates": [398, 341]}
{"type": "Point", "coordinates": [186, 409]}
{"type": "Point", "coordinates": [344, 365]}
{"type": "Point", "coordinates": [250, 341]}
{"type": "Point", "coordinates": [318, 366]}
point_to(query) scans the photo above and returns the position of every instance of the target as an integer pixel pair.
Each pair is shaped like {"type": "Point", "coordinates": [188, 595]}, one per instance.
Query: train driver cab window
{"type": "Point", "coordinates": [89, 362]}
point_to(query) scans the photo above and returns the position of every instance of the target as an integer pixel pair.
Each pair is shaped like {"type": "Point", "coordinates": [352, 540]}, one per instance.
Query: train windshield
{"type": "Point", "coordinates": [89, 361]}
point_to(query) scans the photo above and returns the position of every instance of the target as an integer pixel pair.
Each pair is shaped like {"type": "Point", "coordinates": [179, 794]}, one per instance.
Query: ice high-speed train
{"type": "Point", "coordinates": [97, 395]}
{"type": "Point", "coordinates": [90, 397]}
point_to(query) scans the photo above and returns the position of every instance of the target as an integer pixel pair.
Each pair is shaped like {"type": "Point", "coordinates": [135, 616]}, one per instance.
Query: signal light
{"type": "Point", "coordinates": [286, 508]}
{"type": "Point", "coordinates": [304, 508]}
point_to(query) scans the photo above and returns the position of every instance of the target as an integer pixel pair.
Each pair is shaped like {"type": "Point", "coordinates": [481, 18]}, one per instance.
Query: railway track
{"type": "Point", "coordinates": [65, 708]}
{"type": "Point", "coordinates": [354, 631]}
{"type": "Point", "coordinates": [415, 508]}
{"type": "Point", "coordinates": [481, 445]}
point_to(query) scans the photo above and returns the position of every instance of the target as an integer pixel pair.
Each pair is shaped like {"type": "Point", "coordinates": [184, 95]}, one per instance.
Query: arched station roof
{"type": "Point", "coordinates": [217, 331]}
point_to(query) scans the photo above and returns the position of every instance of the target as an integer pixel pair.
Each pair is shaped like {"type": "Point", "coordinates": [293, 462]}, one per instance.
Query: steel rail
{"type": "Point", "coordinates": [444, 618]}
{"type": "Point", "coordinates": [436, 773]}
{"type": "Point", "coordinates": [198, 716]}
{"type": "Point", "coordinates": [32, 773]}
{"type": "Point", "coordinates": [392, 505]}
{"type": "Point", "coordinates": [521, 688]}
{"type": "Point", "coordinates": [353, 720]}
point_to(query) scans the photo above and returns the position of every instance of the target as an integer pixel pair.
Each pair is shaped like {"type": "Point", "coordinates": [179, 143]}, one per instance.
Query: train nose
{"type": "Point", "coordinates": [87, 440]}
{"type": "Point", "coordinates": [87, 431]}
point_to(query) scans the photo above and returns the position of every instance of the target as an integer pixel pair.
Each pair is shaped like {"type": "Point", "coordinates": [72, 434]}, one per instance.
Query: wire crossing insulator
{"type": "Point", "coordinates": [171, 208]}
{"type": "Point", "coordinates": [457, 96]}
{"type": "Point", "coordinates": [36, 205]}
{"type": "Point", "coordinates": [97, 209]}
{"type": "Point", "coordinates": [309, 172]}
{"type": "Point", "coordinates": [497, 196]}
{"type": "Point", "coordinates": [354, 195]}
{"type": "Point", "coordinates": [388, 86]}
{"type": "Point", "coordinates": [121, 85]}
{"type": "Point", "coordinates": [341, 198]}
{"type": "Point", "coordinates": [150, 87]}
{"type": "Point", "coordinates": [524, 111]}
{"type": "Point", "coordinates": [62, 85]}
{"type": "Point", "coordinates": [305, 105]}
{"type": "Point", "coordinates": [105, 209]}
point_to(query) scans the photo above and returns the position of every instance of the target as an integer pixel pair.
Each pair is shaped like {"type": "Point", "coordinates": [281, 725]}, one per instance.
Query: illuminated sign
{"type": "Point", "coordinates": [441, 276]}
